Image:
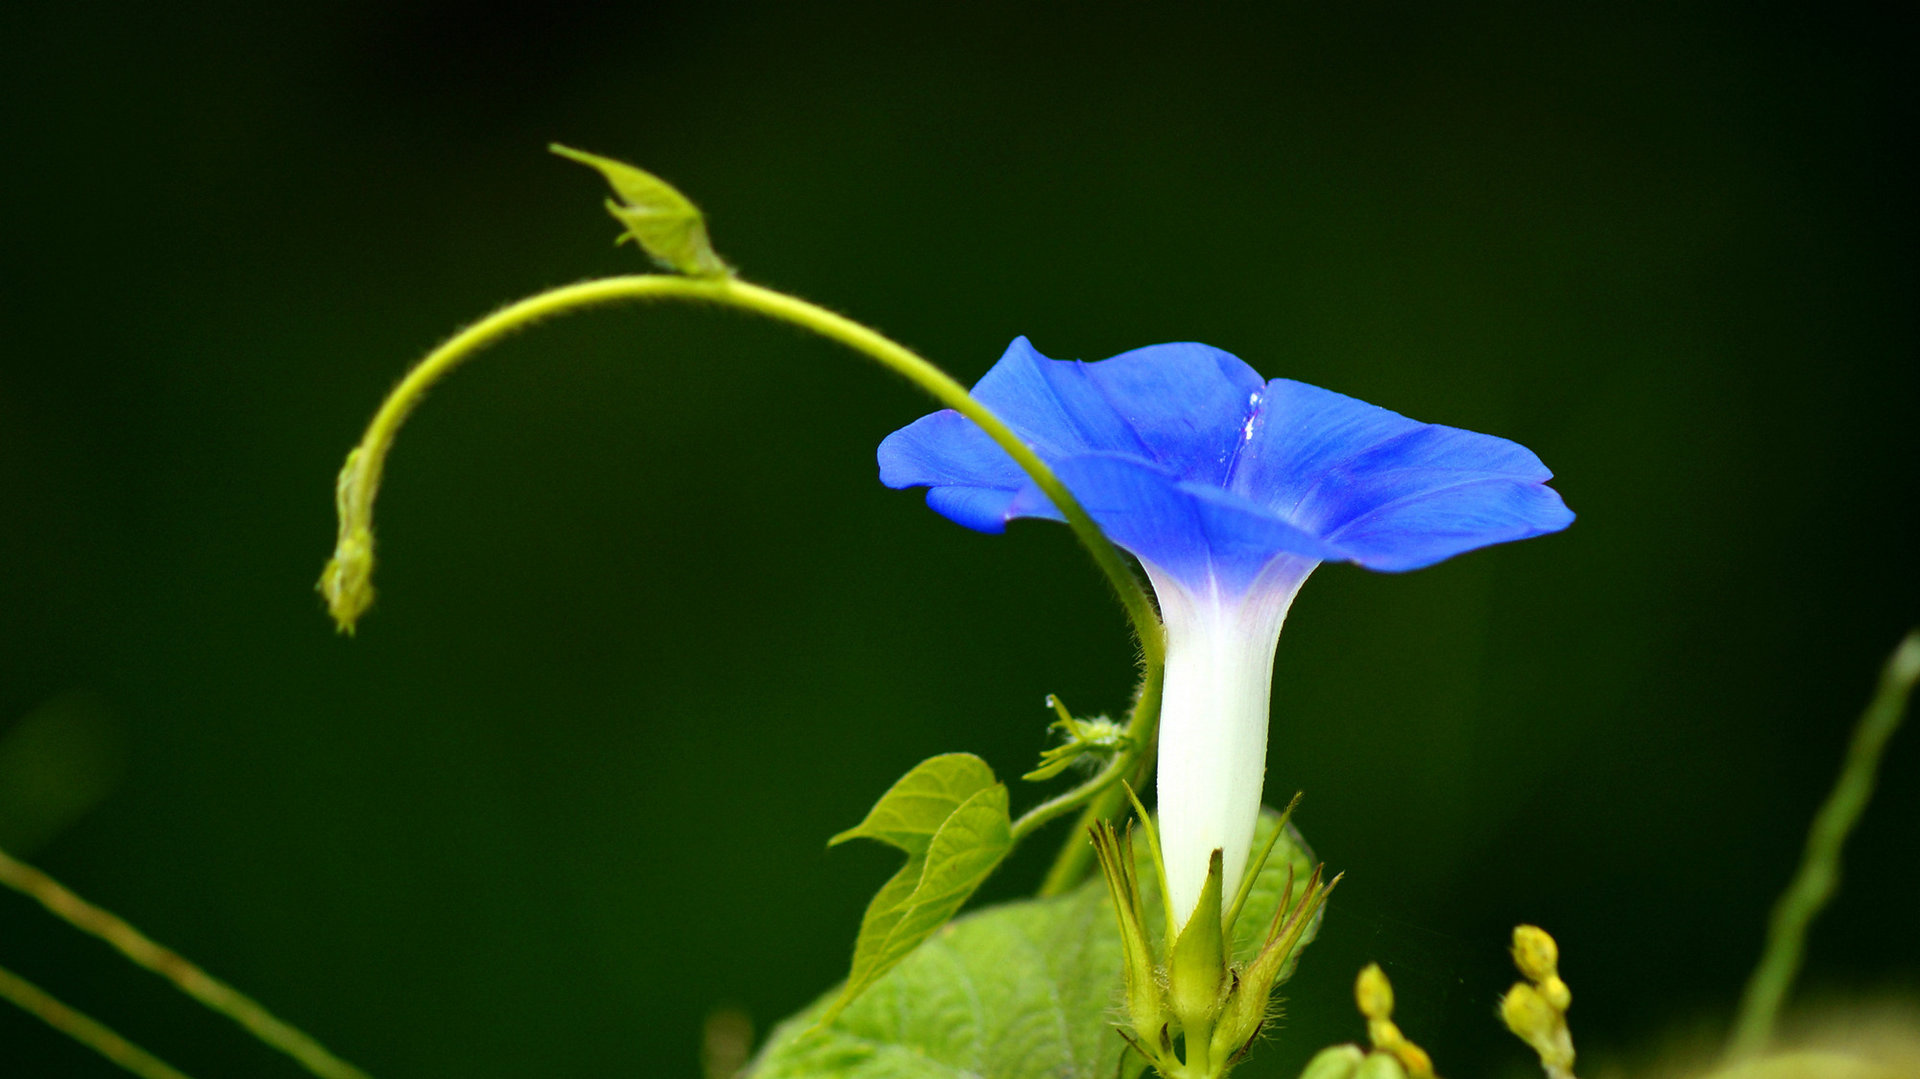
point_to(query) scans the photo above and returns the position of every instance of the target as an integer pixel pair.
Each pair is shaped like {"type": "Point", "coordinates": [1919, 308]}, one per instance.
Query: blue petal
{"type": "Point", "coordinates": [1301, 435]}
{"type": "Point", "coordinates": [1442, 521]}
{"type": "Point", "coordinates": [971, 479]}
{"type": "Point", "coordinates": [1186, 404]}
{"type": "Point", "coordinates": [1182, 406]}
{"type": "Point", "coordinates": [1392, 492]}
{"type": "Point", "coordinates": [1194, 532]}
{"type": "Point", "coordinates": [983, 509]}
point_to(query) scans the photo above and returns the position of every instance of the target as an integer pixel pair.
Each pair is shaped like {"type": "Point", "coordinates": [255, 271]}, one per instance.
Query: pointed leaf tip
{"type": "Point", "coordinates": [919, 803]}
{"type": "Point", "coordinates": [662, 221]}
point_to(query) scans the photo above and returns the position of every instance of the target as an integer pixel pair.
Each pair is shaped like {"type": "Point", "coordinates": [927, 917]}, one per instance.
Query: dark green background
{"type": "Point", "coordinates": [650, 630]}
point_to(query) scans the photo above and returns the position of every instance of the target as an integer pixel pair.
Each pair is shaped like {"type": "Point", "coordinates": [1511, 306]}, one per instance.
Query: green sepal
{"type": "Point", "coordinates": [945, 863]}
{"type": "Point", "coordinates": [1159, 860]}
{"type": "Point", "coordinates": [1246, 1009]}
{"type": "Point", "coordinates": [1145, 1006]}
{"type": "Point", "coordinates": [1197, 973]}
{"type": "Point", "coordinates": [663, 222]}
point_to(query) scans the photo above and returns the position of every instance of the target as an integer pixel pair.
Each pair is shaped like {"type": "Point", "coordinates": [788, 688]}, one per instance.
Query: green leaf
{"type": "Point", "coordinates": [665, 224]}
{"type": "Point", "coordinates": [915, 807]}
{"type": "Point", "coordinates": [1025, 990]}
{"type": "Point", "coordinates": [930, 889]}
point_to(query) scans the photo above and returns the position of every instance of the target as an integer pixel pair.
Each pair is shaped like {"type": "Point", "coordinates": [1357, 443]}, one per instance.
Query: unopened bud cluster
{"type": "Point", "coordinates": [1536, 1009]}
{"type": "Point", "coordinates": [1393, 1056]}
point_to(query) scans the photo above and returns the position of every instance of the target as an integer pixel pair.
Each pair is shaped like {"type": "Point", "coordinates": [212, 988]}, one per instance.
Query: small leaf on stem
{"type": "Point", "coordinates": [665, 223]}
{"type": "Point", "coordinates": [950, 816]}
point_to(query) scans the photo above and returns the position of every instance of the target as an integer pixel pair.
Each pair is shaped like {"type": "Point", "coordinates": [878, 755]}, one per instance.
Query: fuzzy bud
{"type": "Point", "coordinates": [1535, 953]}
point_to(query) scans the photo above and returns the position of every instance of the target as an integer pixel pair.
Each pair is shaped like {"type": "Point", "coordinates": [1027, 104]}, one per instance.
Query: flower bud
{"type": "Point", "coordinates": [1334, 1062]}
{"type": "Point", "coordinates": [1556, 993]}
{"type": "Point", "coordinates": [1374, 993]}
{"type": "Point", "coordinates": [1537, 1012]}
{"type": "Point", "coordinates": [1529, 1016]}
{"type": "Point", "coordinates": [1535, 953]}
{"type": "Point", "coordinates": [1380, 1066]}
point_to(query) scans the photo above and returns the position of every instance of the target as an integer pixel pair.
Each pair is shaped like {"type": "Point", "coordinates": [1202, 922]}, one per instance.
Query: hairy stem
{"type": "Point", "coordinates": [83, 1028]}
{"type": "Point", "coordinates": [346, 581]}
{"type": "Point", "coordinates": [190, 979]}
{"type": "Point", "coordinates": [1819, 874]}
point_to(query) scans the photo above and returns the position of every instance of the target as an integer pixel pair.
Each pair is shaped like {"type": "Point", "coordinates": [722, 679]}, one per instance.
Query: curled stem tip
{"type": "Point", "coordinates": [347, 580]}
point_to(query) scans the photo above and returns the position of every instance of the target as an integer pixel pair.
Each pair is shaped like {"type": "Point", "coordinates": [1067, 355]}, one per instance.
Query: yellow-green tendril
{"type": "Point", "coordinates": [347, 585]}
{"type": "Point", "coordinates": [1819, 874]}
{"type": "Point", "coordinates": [190, 979]}
{"type": "Point", "coordinates": [346, 582]}
{"type": "Point", "coordinates": [83, 1028]}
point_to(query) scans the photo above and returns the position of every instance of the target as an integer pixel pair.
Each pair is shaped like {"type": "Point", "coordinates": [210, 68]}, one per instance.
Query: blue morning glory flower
{"type": "Point", "coordinates": [1230, 489]}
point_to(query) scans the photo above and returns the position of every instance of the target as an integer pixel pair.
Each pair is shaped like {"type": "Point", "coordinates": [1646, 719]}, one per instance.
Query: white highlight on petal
{"type": "Point", "coordinates": [1213, 721]}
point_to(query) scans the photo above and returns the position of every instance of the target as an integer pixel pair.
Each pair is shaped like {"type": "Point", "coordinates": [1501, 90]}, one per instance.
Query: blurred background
{"type": "Point", "coordinates": [650, 630]}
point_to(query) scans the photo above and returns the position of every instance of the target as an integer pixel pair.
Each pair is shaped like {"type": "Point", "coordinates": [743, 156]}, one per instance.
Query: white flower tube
{"type": "Point", "coordinates": [1213, 723]}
